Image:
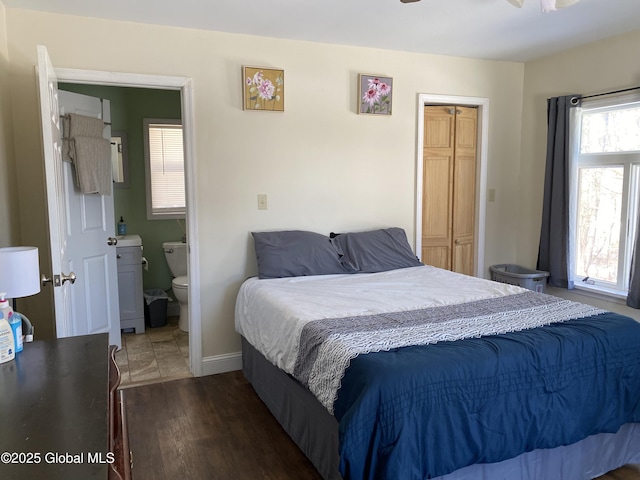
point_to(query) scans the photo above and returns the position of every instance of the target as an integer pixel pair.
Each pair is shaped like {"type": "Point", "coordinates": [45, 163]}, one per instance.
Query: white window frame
{"type": "Point", "coordinates": [630, 161]}
{"type": "Point", "coordinates": [166, 213]}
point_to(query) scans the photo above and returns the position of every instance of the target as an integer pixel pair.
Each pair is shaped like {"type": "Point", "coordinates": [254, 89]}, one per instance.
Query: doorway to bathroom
{"type": "Point", "coordinates": [158, 350]}
{"type": "Point", "coordinates": [181, 86]}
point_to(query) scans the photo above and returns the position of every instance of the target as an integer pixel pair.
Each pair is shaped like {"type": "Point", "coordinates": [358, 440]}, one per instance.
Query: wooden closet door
{"type": "Point", "coordinates": [437, 193]}
{"type": "Point", "coordinates": [449, 181]}
{"type": "Point", "coordinates": [464, 190]}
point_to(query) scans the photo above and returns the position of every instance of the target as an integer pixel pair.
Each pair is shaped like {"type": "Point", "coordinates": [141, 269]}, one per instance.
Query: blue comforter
{"type": "Point", "coordinates": [423, 411]}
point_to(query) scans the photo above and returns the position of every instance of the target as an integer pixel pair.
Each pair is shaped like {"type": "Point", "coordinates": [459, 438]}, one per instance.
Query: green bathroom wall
{"type": "Point", "coordinates": [129, 106]}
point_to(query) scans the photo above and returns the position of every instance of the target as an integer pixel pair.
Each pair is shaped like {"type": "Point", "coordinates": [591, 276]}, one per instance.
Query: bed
{"type": "Point", "coordinates": [380, 367]}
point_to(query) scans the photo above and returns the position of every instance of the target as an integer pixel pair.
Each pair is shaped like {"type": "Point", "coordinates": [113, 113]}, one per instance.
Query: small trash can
{"type": "Point", "coordinates": [535, 280]}
{"type": "Point", "coordinates": [155, 307]}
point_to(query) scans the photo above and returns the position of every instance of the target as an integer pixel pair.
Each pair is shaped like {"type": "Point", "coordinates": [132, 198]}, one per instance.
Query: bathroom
{"type": "Point", "coordinates": [162, 352]}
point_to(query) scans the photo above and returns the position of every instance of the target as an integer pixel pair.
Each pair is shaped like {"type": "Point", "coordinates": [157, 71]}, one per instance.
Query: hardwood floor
{"type": "Point", "coordinates": [628, 472]}
{"type": "Point", "coordinates": [213, 428]}
{"type": "Point", "coordinates": [216, 428]}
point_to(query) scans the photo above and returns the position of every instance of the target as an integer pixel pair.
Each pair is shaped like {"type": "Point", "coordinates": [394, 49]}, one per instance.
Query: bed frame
{"type": "Point", "coordinates": [296, 409]}
{"type": "Point", "coordinates": [315, 431]}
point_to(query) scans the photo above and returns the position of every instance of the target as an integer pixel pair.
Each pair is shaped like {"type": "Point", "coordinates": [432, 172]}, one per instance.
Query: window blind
{"type": "Point", "coordinates": [166, 166]}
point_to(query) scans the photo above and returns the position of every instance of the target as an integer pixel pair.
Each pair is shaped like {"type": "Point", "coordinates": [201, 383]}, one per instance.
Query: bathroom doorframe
{"type": "Point", "coordinates": [185, 86]}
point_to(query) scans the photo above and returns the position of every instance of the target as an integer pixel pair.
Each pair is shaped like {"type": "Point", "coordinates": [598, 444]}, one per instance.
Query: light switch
{"type": "Point", "coordinates": [492, 195]}
{"type": "Point", "coordinates": [262, 201]}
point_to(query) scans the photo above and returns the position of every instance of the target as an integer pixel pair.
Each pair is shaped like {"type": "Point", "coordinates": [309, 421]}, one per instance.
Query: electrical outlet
{"type": "Point", "coordinates": [262, 201]}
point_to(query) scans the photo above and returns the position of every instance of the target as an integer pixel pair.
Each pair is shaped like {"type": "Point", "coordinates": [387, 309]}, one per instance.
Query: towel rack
{"type": "Point", "coordinates": [67, 117]}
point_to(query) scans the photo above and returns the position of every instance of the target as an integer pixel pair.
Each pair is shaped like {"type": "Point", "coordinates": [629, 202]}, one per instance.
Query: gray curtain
{"type": "Point", "coordinates": [633, 298]}
{"type": "Point", "coordinates": [554, 254]}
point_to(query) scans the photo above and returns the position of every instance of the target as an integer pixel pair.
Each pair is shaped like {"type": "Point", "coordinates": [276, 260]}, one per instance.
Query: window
{"type": "Point", "coordinates": [164, 162]}
{"type": "Point", "coordinates": [605, 185]}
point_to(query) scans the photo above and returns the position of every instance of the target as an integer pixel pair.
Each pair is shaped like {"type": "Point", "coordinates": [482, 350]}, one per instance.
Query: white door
{"type": "Point", "coordinates": [81, 227]}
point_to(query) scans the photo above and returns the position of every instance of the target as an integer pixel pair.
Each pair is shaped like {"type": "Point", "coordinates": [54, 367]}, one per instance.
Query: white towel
{"type": "Point", "coordinates": [92, 160]}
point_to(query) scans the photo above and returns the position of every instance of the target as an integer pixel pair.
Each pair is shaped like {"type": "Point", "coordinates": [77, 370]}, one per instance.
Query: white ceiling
{"type": "Point", "coordinates": [489, 29]}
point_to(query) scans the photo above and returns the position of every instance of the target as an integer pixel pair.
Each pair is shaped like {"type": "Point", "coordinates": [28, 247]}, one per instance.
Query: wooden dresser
{"type": "Point", "coordinates": [61, 415]}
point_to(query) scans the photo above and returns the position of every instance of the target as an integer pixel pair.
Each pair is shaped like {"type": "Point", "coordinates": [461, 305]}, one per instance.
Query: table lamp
{"type": "Point", "coordinates": [19, 272]}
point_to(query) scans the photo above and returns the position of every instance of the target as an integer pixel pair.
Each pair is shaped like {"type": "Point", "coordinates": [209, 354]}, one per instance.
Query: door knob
{"type": "Point", "coordinates": [58, 280]}
{"type": "Point", "coordinates": [68, 278]}
{"type": "Point", "coordinates": [112, 241]}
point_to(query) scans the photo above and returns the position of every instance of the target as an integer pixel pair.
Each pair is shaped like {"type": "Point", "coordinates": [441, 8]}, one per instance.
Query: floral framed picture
{"type": "Point", "coordinates": [375, 94]}
{"type": "Point", "coordinates": [263, 89]}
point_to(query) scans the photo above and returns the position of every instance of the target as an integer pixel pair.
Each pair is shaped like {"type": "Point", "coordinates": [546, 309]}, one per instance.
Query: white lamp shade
{"type": "Point", "coordinates": [19, 271]}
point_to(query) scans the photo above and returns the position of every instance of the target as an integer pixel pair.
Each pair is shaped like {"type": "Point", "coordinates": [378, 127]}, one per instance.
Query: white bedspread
{"type": "Point", "coordinates": [270, 314]}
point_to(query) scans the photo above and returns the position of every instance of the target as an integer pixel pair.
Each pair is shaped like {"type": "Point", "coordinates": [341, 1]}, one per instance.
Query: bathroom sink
{"type": "Point", "coordinates": [132, 240]}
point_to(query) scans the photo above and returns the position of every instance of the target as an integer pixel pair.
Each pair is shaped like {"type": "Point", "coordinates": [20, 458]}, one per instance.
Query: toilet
{"type": "Point", "coordinates": [176, 255]}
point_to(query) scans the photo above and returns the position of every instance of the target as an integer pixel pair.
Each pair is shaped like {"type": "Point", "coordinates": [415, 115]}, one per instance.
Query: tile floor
{"type": "Point", "coordinates": [158, 355]}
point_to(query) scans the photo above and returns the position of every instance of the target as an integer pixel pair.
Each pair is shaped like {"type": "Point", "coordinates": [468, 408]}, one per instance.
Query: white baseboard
{"type": "Point", "coordinates": [222, 363]}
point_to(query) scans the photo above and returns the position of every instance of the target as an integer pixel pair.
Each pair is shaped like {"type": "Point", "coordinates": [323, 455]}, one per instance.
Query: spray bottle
{"type": "Point", "coordinates": [16, 328]}
{"type": "Point", "coordinates": [7, 344]}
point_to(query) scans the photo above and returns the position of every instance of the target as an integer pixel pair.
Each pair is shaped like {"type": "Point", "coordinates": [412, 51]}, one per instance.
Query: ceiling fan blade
{"type": "Point", "coordinates": [409, 1]}
{"type": "Point", "coordinates": [565, 3]}
{"type": "Point", "coordinates": [547, 5]}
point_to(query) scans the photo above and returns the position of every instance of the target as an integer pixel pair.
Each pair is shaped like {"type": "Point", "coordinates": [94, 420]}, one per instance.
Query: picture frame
{"type": "Point", "coordinates": [375, 94]}
{"type": "Point", "coordinates": [263, 89]}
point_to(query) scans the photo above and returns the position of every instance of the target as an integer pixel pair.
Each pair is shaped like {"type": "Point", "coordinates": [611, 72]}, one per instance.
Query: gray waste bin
{"type": "Point", "coordinates": [535, 280]}
{"type": "Point", "coordinates": [155, 307]}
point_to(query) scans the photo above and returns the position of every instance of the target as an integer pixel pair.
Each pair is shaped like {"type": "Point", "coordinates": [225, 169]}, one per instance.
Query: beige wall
{"type": "Point", "coordinates": [598, 67]}
{"type": "Point", "coordinates": [323, 166]}
{"type": "Point", "coordinates": [9, 226]}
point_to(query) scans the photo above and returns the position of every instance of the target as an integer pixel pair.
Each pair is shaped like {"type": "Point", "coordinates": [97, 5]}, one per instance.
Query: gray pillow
{"type": "Point", "coordinates": [375, 251]}
{"type": "Point", "coordinates": [295, 253]}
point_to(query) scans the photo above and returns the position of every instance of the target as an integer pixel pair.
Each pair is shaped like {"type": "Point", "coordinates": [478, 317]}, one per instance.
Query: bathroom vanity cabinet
{"type": "Point", "coordinates": [129, 260]}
